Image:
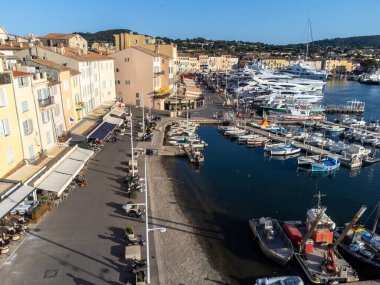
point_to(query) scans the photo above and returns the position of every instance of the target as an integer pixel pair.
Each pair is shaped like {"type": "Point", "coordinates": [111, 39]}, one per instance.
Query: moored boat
{"type": "Point", "coordinates": [325, 164]}
{"type": "Point", "coordinates": [281, 149]}
{"type": "Point", "coordinates": [280, 280]}
{"type": "Point", "coordinates": [272, 240]}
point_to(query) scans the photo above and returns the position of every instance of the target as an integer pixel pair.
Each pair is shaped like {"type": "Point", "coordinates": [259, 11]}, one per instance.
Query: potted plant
{"type": "Point", "coordinates": [129, 232]}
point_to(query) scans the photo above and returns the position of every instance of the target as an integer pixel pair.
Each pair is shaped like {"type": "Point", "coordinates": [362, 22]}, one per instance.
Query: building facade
{"type": "Point", "coordinates": [11, 151]}
{"type": "Point", "coordinates": [64, 40]}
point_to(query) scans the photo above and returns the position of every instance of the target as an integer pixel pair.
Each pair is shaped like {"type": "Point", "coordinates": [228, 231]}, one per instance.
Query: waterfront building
{"type": "Point", "coordinates": [143, 77]}
{"type": "Point", "coordinates": [67, 78]}
{"type": "Point", "coordinates": [338, 65]}
{"type": "Point", "coordinates": [11, 152]}
{"type": "Point", "coordinates": [97, 77]}
{"type": "Point", "coordinates": [64, 40]}
{"type": "Point", "coordinates": [27, 115]}
{"type": "Point", "coordinates": [276, 62]}
{"type": "Point", "coordinates": [203, 62]}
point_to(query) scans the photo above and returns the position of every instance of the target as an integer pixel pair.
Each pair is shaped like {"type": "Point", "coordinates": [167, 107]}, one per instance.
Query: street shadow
{"type": "Point", "coordinates": [125, 276]}
{"type": "Point", "coordinates": [123, 169]}
{"type": "Point", "coordinates": [79, 281]}
{"type": "Point", "coordinates": [118, 208]}
{"type": "Point", "coordinates": [104, 172]}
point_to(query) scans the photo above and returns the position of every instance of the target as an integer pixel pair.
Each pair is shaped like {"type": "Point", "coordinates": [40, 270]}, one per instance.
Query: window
{"type": "Point", "coordinates": [126, 59]}
{"type": "Point", "coordinates": [117, 70]}
{"type": "Point", "coordinates": [118, 81]}
{"type": "Point", "coordinates": [48, 137]}
{"type": "Point", "coordinates": [138, 102]}
{"type": "Point", "coordinates": [10, 155]}
{"type": "Point", "coordinates": [66, 85]}
{"type": "Point", "coordinates": [24, 106]}
{"type": "Point", "coordinates": [3, 97]}
{"type": "Point", "coordinates": [28, 127]}
{"type": "Point", "coordinates": [127, 82]}
{"type": "Point", "coordinates": [45, 117]}
{"type": "Point", "coordinates": [23, 82]}
{"type": "Point", "coordinates": [5, 127]}
{"type": "Point", "coordinates": [137, 95]}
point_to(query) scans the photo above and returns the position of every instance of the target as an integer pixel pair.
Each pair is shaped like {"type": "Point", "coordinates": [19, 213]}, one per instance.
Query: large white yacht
{"type": "Point", "coordinates": [305, 71]}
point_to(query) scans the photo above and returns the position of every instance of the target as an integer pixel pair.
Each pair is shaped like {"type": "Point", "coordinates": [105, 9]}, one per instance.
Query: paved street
{"type": "Point", "coordinates": [81, 241]}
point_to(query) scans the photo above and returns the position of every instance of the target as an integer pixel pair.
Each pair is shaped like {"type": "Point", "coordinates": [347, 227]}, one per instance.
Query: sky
{"type": "Point", "coordinates": [267, 21]}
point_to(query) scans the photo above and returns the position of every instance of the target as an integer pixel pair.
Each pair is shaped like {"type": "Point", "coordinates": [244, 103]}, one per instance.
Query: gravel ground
{"type": "Point", "coordinates": [184, 261]}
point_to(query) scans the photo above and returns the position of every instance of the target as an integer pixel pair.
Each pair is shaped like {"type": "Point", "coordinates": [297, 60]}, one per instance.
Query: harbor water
{"type": "Point", "coordinates": [236, 183]}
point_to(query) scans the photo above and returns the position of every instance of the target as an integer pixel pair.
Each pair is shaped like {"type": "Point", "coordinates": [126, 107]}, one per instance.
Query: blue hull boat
{"type": "Point", "coordinates": [325, 164]}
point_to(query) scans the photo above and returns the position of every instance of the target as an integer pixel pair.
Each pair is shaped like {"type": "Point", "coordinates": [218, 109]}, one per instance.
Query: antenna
{"type": "Point", "coordinates": [319, 196]}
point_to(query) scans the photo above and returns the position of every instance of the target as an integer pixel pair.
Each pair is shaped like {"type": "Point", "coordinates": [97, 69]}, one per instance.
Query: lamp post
{"type": "Point", "coordinates": [133, 156]}
{"type": "Point", "coordinates": [147, 229]}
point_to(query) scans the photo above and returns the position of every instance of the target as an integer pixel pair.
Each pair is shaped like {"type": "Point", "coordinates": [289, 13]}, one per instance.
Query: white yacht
{"type": "Point", "coordinates": [305, 71]}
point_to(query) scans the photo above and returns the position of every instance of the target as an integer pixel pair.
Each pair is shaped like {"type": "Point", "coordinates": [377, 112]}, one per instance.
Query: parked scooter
{"type": "Point", "coordinates": [137, 264]}
{"type": "Point", "coordinates": [138, 241]}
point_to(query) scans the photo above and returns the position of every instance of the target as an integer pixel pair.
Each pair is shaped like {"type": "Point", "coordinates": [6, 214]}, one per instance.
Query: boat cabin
{"type": "Point", "coordinates": [324, 232]}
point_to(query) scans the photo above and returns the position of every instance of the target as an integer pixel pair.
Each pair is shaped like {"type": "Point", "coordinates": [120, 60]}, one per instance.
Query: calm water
{"type": "Point", "coordinates": [237, 183]}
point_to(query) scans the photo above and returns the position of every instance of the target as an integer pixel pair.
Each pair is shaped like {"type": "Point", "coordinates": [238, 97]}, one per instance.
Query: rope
{"type": "Point", "coordinates": [375, 208]}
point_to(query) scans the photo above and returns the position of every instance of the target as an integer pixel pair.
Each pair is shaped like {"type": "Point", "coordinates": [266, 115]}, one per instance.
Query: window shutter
{"type": "Point", "coordinates": [1, 129]}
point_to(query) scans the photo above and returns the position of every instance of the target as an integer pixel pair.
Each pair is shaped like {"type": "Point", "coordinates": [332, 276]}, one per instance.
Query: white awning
{"type": "Point", "coordinates": [14, 199]}
{"type": "Point", "coordinates": [118, 112]}
{"type": "Point", "coordinates": [113, 120]}
{"type": "Point", "coordinates": [64, 173]}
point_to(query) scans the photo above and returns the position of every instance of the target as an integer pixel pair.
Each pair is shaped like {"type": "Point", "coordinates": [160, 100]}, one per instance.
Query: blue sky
{"type": "Point", "coordinates": [268, 21]}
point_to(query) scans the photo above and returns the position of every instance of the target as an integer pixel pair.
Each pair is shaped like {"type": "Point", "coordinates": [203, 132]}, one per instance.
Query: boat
{"type": "Point", "coordinates": [339, 147]}
{"type": "Point", "coordinates": [280, 280]}
{"type": "Point", "coordinates": [372, 78]}
{"type": "Point", "coordinates": [334, 130]}
{"type": "Point", "coordinates": [281, 149]}
{"type": "Point", "coordinates": [314, 139]}
{"type": "Point", "coordinates": [305, 161]}
{"type": "Point", "coordinates": [195, 155]}
{"type": "Point", "coordinates": [305, 71]}
{"type": "Point", "coordinates": [314, 248]}
{"type": "Point", "coordinates": [352, 162]}
{"type": "Point", "coordinates": [272, 240]}
{"type": "Point", "coordinates": [325, 164]}
{"type": "Point", "coordinates": [356, 150]}
{"type": "Point", "coordinates": [243, 139]}
{"type": "Point", "coordinates": [258, 141]}
{"type": "Point", "coordinates": [296, 114]}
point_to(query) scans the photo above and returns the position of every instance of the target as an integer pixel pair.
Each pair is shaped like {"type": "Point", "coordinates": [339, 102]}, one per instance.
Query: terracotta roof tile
{"type": "Point", "coordinates": [59, 36]}
{"type": "Point", "coordinates": [54, 65]}
{"type": "Point", "coordinates": [72, 53]}
{"type": "Point", "coordinates": [20, 73]}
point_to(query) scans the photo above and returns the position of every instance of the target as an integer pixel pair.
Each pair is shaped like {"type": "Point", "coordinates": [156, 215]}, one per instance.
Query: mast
{"type": "Point", "coordinates": [376, 220]}
{"type": "Point", "coordinates": [349, 225]}
{"type": "Point", "coordinates": [319, 196]}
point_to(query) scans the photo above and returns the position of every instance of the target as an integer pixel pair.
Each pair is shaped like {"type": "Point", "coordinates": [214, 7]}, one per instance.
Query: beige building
{"type": "Point", "coordinates": [27, 115]}
{"type": "Point", "coordinates": [143, 77]}
{"type": "Point", "coordinates": [276, 62]}
{"type": "Point", "coordinates": [338, 65]}
{"type": "Point", "coordinates": [126, 40]}
{"type": "Point", "coordinates": [64, 40]}
{"type": "Point", "coordinates": [63, 75]}
{"type": "Point", "coordinates": [97, 77]}
{"type": "Point", "coordinates": [187, 63]}
{"type": "Point", "coordinates": [11, 152]}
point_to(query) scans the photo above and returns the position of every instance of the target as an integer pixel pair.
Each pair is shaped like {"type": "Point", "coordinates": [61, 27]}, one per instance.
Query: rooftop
{"type": "Point", "coordinates": [73, 53]}
{"type": "Point", "coordinates": [20, 73]}
{"type": "Point", "coordinates": [152, 53]}
{"type": "Point", "coordinates": [54, 65]}
{"type": "Point", "coordinates": [59, 36]}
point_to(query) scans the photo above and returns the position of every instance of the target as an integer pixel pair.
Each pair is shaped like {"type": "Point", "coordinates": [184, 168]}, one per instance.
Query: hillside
{"type": "Point", "coordinates": [241, 47]}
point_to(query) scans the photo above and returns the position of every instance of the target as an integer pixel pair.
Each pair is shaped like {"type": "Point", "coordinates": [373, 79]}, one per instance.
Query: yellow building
{"type": "Point", "coordinates": [125, 40]}
{"type": "Point", "coordinates": [275, 62]}
{"type": "Point", "coordinates": [11, 153]}
{"type": "Point", "coordinates": [338, 65]}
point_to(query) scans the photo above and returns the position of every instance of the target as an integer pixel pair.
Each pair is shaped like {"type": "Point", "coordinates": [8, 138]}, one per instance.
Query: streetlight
{"type": "Point", "coordinates": [147, 229]}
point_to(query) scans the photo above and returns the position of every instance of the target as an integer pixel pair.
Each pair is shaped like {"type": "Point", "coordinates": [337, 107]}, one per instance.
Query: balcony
{"type": "Point", "coordinates": [46, 102]}
{"type": "Point", "coordinates": [160, 73]}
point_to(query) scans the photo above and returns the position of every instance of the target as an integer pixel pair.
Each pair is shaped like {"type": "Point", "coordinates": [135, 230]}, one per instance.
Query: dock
{"type": "Point", "coordinates": [353, 107]}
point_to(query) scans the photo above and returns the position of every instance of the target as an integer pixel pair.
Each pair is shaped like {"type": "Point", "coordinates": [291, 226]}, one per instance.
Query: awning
{"type": "Point", "coordinates": [14, 199]}
{"type": "Point", "coordinates": [113, 120]}
{"type": "Point", "coordinates": [102, 131]}
{"type": "Point", "coordinates": [119, 112]}
{"type": "Point", "coordinates": [62, 176]}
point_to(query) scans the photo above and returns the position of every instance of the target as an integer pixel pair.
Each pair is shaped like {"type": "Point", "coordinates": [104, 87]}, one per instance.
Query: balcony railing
{"type": "Point", "coordinates": [159, 73]}
{"type": "Point", "coordinates": [45, 102]}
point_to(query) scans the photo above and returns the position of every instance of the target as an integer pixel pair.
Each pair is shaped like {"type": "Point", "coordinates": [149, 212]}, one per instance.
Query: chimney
{"type": "Point", "coordinates": [78, 51]}
{"type": "Point", "coordinates": [11, 44]}
{"type": "Point", "coordinates": [21, 45]}
{"type": "Point", "coordinates": [43, 75]}
{"type": "Point", "coordinates": [156, 48]}
{"type": "Point", "coordinates": [37, 76]}
{"type": "Point", "coordinates": [84, 50]}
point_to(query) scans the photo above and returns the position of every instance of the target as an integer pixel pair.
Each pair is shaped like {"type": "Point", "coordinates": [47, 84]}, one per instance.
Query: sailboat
{"type": "Point", "coordinates": [362, 244]}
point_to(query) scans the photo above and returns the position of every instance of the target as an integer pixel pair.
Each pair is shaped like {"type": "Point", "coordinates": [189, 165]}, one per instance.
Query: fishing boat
{"type": "Point", "coordinates": [272, 240]}
{"type": "Point", "coordinates": [258, 141]}
{"type": "Point", "coordinates": [325, 164]}
{"type": "Point", "coordinates": [280, 280]}
{"type": "Point", "coordinates": [334, 130]}
{"type": "Point", "coordinates": [306, 161]}
{"type": "Point", "coordinates": [295, 114]}
{"type": "Point", "coordinates": [243, 139]}
{"type": "Point", "coordinates": [314, 139]}
{"type": "Point", "coordinates": [195, 155]}
{"type": "Point", "coordinates": [314, 248]}
{"type": "Point", "coordinates": [281, 149]}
